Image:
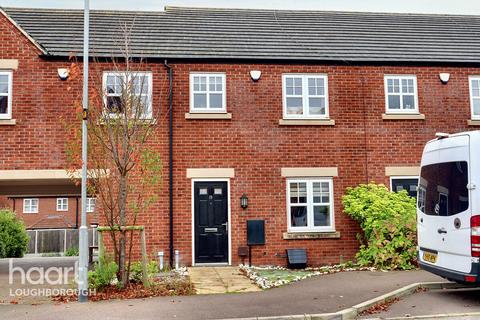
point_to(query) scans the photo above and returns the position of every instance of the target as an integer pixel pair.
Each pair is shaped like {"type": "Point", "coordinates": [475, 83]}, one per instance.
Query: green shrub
{"type": "Point", "coordinates": [71, 252]}
{"type": "Point", "coordinates": [13, 236]}
{"type": "Point", "coordinates": [103, 274]}
{"type": "Point", "coordinates": [136, 270]}
{"type": "Point", "coordinates": [388, 221]}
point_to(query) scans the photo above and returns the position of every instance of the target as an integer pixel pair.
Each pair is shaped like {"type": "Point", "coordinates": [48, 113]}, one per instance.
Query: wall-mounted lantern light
{"type": "Point", "coordinates": [244, 201]}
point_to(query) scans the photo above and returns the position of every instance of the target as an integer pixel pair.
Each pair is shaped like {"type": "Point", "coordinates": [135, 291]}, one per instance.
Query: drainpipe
{"type": "Point", "coordinates": [170, 156]}
{"type": "Point", "coordinates": [76, 213]}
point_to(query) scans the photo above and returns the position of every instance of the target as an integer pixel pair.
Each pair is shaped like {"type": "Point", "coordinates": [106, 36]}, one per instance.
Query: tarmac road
{"type": "Point", "coordinates": [449, 301]}
{"type": "Point", "coordinates": [327, 293]}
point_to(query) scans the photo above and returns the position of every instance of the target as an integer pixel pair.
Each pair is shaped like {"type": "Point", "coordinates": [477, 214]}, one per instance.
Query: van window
{"type": "Point", "coordinates": [443, 188]}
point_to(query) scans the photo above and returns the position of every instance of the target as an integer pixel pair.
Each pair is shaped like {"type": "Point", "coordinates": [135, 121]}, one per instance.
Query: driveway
{"type": "Point", "coordinates": [328, 293]}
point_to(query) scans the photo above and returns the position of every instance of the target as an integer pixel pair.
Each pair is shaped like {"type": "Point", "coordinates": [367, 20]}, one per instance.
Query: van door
{"type": "Point", "coordinates": [443, 209]}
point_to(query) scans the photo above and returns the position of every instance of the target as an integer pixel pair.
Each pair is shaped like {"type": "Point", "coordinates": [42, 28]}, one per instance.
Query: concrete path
{"type": "Point", "coordinates": [451, 301]}
{"type": "Point", "coordinates": [323, 294]}
{"type": "Point", "coordinates": [213, 280]}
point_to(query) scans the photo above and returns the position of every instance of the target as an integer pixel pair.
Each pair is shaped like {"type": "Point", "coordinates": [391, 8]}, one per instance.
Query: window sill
{"type": "Point", "coordinates": [150, 121]}
{"type": "Point", "coordinates": [401, 116]}
{"type": "Point", "coordinates": [473, 123]}
{"type": "Point", "coordinates": [311, 235]}
{"type": "Point", "coordinates": [8, 122]}
{"type": "Point", "coordinates": [306, 122]}
{"type": "Point", "coordinates": [208, 116]}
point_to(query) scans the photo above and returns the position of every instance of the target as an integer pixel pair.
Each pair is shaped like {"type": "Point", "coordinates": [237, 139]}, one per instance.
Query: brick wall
{"type": "Point", "coordinates": [360, 144]}
{"type": "Point", "coordinates": [48, 216]}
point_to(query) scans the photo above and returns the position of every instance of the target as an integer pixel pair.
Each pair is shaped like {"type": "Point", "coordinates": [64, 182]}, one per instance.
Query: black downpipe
{"type": "Point", "coordinates": [170, 156]}
{"type": "Point", "coordinates": [76, 213]}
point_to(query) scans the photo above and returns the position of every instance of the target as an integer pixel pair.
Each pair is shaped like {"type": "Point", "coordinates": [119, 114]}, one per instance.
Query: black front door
{"type": "Point", "coordinates": [211, 222]}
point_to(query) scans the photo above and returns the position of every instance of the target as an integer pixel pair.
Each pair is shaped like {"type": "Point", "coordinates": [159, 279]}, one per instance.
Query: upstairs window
{"type": "Point", "coordinates": [30, 205]}
{"type": "Point", "coordinates": [62, 204]}
{"type": "Point", "coordinates": [5, 94]}
{"type": "Point", "coordinates": [401, 94]}
{"type": "Point", "coordinates": [91, 204]}
{"type": "Point", "coordinates": [475, 97]}
{"type": "Point", "coordinates": [207, 92]}
{"type": "Point", "coordinates": [305, 96]}
{"type": "Point", "coordinates": [121, 86]}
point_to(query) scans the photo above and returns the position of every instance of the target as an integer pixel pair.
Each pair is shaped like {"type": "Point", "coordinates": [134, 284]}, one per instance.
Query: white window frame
{"type": "Point", "coordinates": [402, 178]}
{"type": "Point", "coordinates": [401, 94]}
{"type": "Point", "coordinates": [32, 209]}
{"type": "Point", "coordinates": [470, 79]}
{"type": "Point", "coordinates": [310, 218]}
{"type": "Point", "coordinates": [89, 208]}
{"type": "Point", "coordinates": [208, 109]}
{"type": "Point", "coordinates": [8, 115]}
{"type": "Point", "coordinates": [305, 95]}
{"type": "Point", "coordinates": [128, 75]}
{"type": "Point", "coordinates": [62, 204]}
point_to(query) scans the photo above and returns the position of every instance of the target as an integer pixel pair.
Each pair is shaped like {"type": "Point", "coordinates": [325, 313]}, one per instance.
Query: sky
{"type": "Point", "coordinates": [409, 6]}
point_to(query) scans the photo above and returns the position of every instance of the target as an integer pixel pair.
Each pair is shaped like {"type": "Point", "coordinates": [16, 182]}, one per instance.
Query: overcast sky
{"type": "Point", "coordinates": [422, 6]}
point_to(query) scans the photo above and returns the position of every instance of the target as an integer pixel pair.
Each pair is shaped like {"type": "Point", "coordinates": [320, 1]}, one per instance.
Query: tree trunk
{"type": "Point", "coordinates": [122, 204]}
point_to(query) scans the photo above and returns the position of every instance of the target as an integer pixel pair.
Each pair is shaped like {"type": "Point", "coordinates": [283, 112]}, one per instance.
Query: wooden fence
{"type": "Point", "coordinates": [56, 240]}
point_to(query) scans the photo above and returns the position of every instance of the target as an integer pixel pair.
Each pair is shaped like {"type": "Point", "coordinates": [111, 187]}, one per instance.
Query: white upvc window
{"type": "Point", "coordinates": [116, 84]}
{"type": "Point", "coordinates": [401, 94]}
{"type": "Point", "coordinates": [407, 183]}
{"type": "Point", "coordinates": [62, 204]}
{"type": "Point", "coordinates": [208, 92]}
{"type": "Point", "coordinates": [475, 96]}
{"type": "Point", "coordinates": [91, 204]}
{"type": "Point", "coordinates": [6, 94]}
{"type": "Point", "coordinates": [305, 96]}
{"type": "Point", "coordinates": [30, 205]}
{"type": "Point", "coordinates": [310, 205]}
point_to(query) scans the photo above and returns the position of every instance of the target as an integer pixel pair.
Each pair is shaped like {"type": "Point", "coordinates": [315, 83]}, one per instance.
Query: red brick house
{"type": "Point", "coordinates": [288, 108]}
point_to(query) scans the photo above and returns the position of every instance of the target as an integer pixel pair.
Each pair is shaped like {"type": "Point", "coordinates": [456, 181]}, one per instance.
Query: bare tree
{"type": "Point", "coordinates": [124, 170]}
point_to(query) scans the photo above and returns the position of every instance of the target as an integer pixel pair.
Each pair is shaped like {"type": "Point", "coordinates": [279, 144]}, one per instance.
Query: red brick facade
{"type": "Point", "coordinates": [48, 217]}
{"type": "Point", "coordinates": [360, 144]}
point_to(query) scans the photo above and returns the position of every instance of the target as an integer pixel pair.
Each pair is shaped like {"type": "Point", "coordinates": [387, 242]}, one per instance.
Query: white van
{"type": "Point", "coordinates": [448, 207]}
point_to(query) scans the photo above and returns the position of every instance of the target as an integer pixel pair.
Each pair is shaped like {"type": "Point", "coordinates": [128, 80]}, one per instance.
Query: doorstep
{"type": "Point", "coordinates": [218, 280]}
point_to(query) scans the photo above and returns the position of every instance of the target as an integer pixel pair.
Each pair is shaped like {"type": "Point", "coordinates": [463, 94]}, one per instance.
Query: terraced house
{"type": "Point", "coordinates": [274, 115]}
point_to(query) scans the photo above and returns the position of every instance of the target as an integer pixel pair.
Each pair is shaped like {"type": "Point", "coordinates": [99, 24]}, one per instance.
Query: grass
{"type": "Point", "coordinates": [288, 275]}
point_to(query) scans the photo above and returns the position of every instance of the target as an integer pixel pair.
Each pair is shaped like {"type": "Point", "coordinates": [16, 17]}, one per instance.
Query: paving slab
{"type": "Point", "coordinates": [218, 280]}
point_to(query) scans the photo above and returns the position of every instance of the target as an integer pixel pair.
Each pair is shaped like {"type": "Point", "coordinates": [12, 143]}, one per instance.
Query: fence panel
{"type": "Point", "coordinates": [55, 240]}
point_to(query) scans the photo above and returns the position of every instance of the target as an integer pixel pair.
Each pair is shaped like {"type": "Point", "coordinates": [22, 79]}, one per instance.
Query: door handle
{"type": "Point", "coordinates": [226, 226]}
{"type": "Point", "coordinates": [441, 230]}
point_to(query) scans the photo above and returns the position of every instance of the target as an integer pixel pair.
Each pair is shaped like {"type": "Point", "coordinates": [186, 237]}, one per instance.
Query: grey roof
{"type": "Point", "coordinates": [197, 33]}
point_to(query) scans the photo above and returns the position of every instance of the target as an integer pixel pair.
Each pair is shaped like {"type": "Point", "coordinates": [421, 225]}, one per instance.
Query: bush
{"type": "Point", "coordinates": [136, 270]}
{"type": "Point", "coordinates": [388, 220]}
{"type": "Point", "coordinates": [13, 236]}
{"type": "Point", "coordinates": [104, 274]}
{"type": "Point", "coordinates": [71, 252]}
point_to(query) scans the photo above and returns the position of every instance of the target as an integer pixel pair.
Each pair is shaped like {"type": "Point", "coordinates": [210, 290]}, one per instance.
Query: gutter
{"type": "Point", "coordinates": [170, 157]}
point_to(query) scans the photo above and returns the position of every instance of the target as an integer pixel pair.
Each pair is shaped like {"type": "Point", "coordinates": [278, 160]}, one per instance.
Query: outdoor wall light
{"type": "Point", "coordinates": [255, 74]}
{"type": "Point", "coordinates": [244, 201]}
{"type": "Point", "coordinates": [63, 73]}
{"type": "Point", "coordinates": [444, 77]}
